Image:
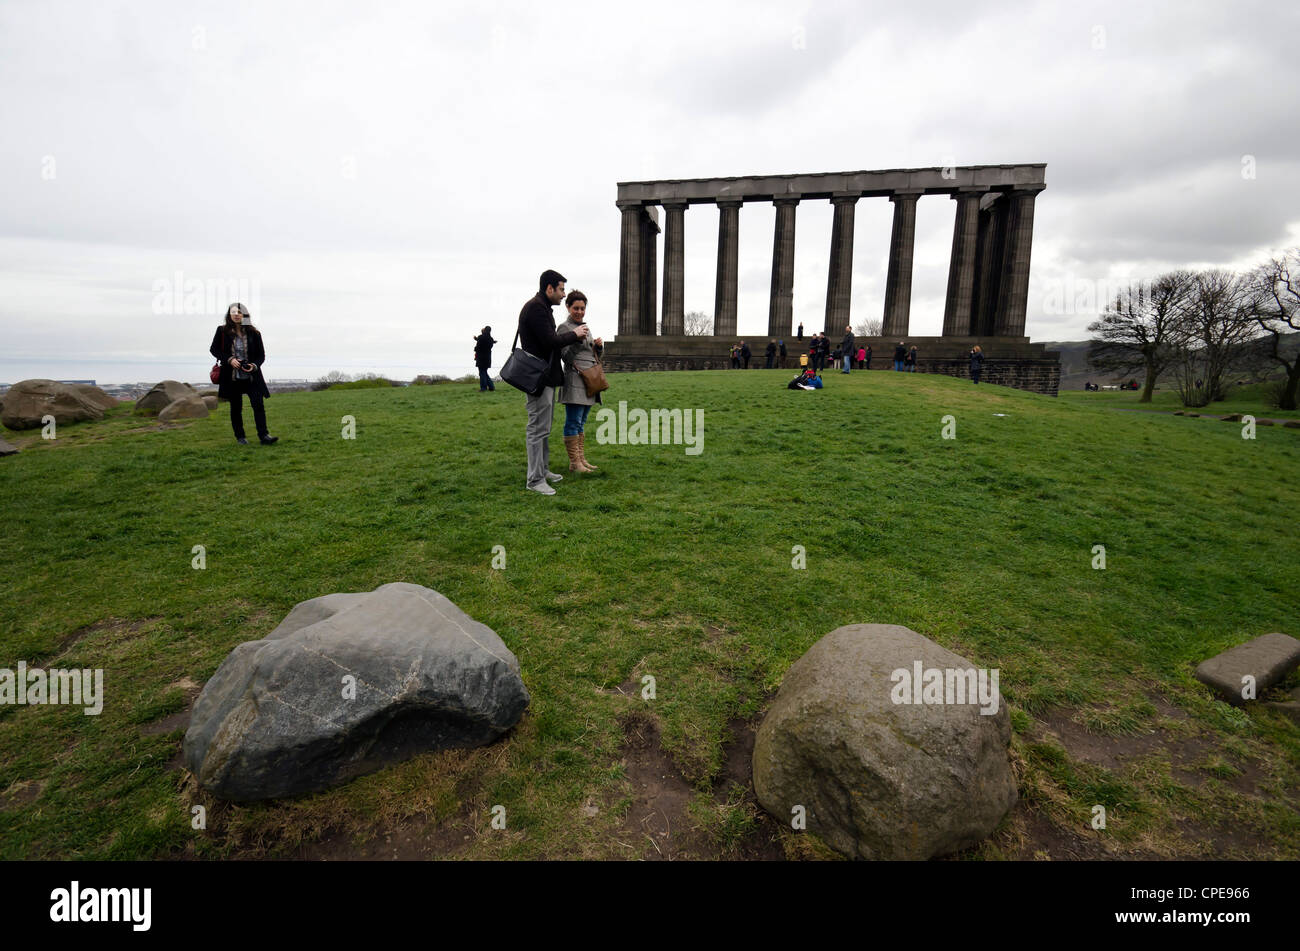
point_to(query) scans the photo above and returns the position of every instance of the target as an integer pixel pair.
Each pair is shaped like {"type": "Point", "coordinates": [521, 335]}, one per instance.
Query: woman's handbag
{"type": "Point", "coordinates": [216, 372]}
{"type": "Point", "coordinates": [594, 379]}
{"type": "Point", "coordinates": [524, 371]}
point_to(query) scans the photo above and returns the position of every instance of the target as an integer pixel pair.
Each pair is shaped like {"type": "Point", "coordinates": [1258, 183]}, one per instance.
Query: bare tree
{"type": "Point", "coordinates": [1216, 324]}
{"type": "Point", "coordinates": [1275, 300]}
{"type": "Point", "coordinates": [329, 379]}
{"type": "Point", "coordinates": [698, 324]}
{"type": "Point", "coordinates": [1134, 336]}
{"type": "Point", "coordinates": [868, 328]}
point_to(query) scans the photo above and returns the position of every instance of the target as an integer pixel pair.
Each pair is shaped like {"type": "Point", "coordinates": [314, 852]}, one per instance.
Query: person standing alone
{"type": "Point", "coordinates": [483, 359]}
{"type": "Point", "coordinates": [976, 364]}
{"type": "Point", "coordinates": [538, 337]}
{"type": "Point", "coordinates": [849, 348]}
{"type": "Point", "coordinates": [237, 345]}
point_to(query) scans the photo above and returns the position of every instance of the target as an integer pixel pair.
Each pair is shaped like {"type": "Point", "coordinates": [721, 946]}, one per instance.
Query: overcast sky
{"type": "Point", "coordinates": [380, 180]}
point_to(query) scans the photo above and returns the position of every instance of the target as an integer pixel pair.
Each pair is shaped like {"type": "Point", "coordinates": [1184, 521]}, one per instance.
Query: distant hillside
{"type": "Point", "coordinates": [1075, 370]}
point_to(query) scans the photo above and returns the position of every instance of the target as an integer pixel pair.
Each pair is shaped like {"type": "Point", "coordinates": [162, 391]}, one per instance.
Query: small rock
{"type": "Point", "coordinates": [187, 407]}
{"type": "Point", "coordinates": [163, 395]}
{"type": "Point", "coordinates": [1268, 658]}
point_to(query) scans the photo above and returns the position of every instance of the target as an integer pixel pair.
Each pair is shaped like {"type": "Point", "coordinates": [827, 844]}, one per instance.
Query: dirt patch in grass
{"type": "Point", "coordinates": [659, 815]}
{"type": "Point", "coordinates": [418, 838]}
{"type": "Point", "coordinates": [670, 819]}
{"type": "Point", "coordinates": [179, 720]}
{"type": "Point", "coordinates": [115, 628]}
{"type": "Point", "coordinates": [1188, 755]}
{"type": "Point", "coordinates": [21, 793]}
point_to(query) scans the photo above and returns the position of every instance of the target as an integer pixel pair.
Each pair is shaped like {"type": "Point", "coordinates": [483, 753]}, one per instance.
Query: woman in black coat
{"type": "Point", "coordinates": [976, 364]}
{"type": "Point", "coordinates": [237, 346]}
{"type": "Point", "coordinates": [483, 359]}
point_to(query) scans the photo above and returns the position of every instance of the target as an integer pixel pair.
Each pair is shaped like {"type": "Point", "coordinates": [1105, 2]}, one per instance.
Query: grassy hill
{"type": "Point", "coordinates": [671, 565]}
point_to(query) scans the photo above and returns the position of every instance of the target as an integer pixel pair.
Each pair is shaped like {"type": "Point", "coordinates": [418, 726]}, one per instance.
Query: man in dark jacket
{"type": "Point", "coordinates": [824, 344]}
{"type": "Point", "coordinates": [782, 348]}
{"type": "Point", "coordinates": [771, 355]}
{"type": "Point", "coordinates": [483, 359]}
{"type": "Point", "coordinates": [745, 353]}
{"type": "Point", "coordinates": [900, 354]}
{"type": "Point", "coordinates": [537, 336]}
{"type": "Point", "coordinates": [849, 348]}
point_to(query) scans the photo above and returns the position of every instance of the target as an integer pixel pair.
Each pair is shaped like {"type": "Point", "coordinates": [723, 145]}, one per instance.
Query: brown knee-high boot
{"type": "Point", "coordinates": [575, 457]}
{"type": "Point", "coordinates": [582, 453]}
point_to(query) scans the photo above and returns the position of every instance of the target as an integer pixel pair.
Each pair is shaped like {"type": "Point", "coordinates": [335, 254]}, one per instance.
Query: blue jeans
{"type": "Point", "coordinates": [848, 364]}
{"type": "Point", "coordinates": [575, 417]}
{"type": "Point", "coordinates": [898, 365]}
{"type": "Point", "coordinates": [484, 381]}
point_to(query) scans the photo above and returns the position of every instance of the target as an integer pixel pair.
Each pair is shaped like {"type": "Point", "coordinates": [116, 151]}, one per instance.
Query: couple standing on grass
{"type": "Point", "coordinates": [569, 350]}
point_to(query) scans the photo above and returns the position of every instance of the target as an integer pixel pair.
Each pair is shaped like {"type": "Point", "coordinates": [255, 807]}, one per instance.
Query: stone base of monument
{"type": "Point", "coordinates": [879, 750]}
{"type": "Point", "coordinates": [1259, 664]}
{"type": "Point", "coordinates": [347, 684]}
{"type": "Point", "coordinates": [1008, 361]}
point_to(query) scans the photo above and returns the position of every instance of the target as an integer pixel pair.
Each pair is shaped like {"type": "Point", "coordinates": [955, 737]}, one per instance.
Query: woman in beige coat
{"type": "Point", "coordinates": [577, 404]}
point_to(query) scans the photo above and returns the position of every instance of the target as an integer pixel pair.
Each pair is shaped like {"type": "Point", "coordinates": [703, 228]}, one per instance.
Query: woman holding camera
{"type": "Point", "coordinates": [237, 346]}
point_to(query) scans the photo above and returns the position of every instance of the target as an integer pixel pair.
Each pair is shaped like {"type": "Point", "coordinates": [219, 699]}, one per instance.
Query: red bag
{"type": "Point", "coordinates": [216, 372]}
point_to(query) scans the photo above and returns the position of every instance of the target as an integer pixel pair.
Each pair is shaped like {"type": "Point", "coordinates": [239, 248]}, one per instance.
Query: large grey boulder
{"type": "Point", "coordinates": [347, 684]}
{"type": "Point", "coordinates": [95, 396]}
{"type": "Point", "coordinates": [210, 402]}
{"type": "Point", "coordinates": [1268, 659]}
{"type": "Point", "coordinates": [6, 449]}
{"type": "Point", "coordinates": [187, 407]}
{"type": "Point", "coordinates": [162, 395]}
{"type": "Point", "coordinates": [28, 402]}
{"type": "Point", "coordinates": [876, 778]}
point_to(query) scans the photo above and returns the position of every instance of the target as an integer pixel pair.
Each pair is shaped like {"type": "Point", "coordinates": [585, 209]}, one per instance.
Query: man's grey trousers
{"type": "Point", "coordinates": [537, 435]}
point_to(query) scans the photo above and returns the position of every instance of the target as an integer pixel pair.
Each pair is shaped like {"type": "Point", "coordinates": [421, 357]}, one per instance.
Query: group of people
{"type": "Point", "coordinates": [904, 359]}
{"type": "Point", "coordinates": [568, 350]}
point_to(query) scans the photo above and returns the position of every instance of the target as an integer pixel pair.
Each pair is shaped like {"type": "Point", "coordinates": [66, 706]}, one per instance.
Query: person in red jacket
{"type": "Point", "coordinates": [238, 347]}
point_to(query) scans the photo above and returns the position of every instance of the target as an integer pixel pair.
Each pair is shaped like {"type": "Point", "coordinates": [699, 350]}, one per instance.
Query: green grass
{"type": "Point", "coordinates": [664, 564]}
{"type": "Point", "coordinates": [1239, 399]}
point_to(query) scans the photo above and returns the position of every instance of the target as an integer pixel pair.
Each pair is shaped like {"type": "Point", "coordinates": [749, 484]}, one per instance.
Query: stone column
{"type": "Point", "coordinates": [674, 315]}
{"type": "Point", "coordinates": [724, 298]}
{"type": "Point", "coordinates": [649, 272]}
{"type": "Point", "coordinates": [839, 277]}
{"type": "Point", "coordinates": [898, 279]}
{"type": "Point", "coordinates": [989, 265]}
{"type": "Point", "coordinates": [961, 268]}
{"type": "Point", "coordinates": [1013, 293]}
{"type": "Point", "coordinates": [629, 269]}
{"type": "Point", "coordinates": [780, 308]}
